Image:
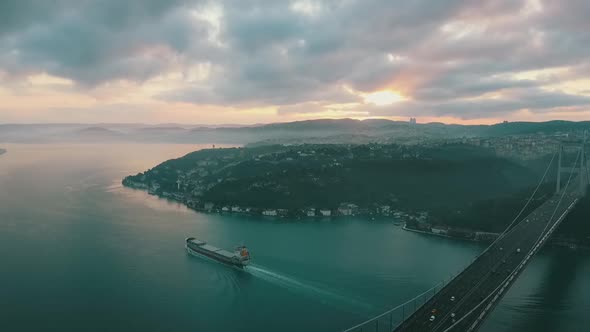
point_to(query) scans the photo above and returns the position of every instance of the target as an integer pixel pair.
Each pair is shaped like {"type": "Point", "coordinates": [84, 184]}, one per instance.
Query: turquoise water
{"type": "Point", "coordinates": [81, 253]}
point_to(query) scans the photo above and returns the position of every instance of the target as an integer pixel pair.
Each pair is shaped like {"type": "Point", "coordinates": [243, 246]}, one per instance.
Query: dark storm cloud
{"type": "Point", "coordinates": [93, 42]}
{"type": "Point", "coordinates": [440, 54]}
{"type": "Point", "coordinates": [16, 15]}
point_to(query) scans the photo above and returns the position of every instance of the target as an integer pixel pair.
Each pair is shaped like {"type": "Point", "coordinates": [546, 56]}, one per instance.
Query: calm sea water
{"type": "Point", "coordinates": [78, 252]}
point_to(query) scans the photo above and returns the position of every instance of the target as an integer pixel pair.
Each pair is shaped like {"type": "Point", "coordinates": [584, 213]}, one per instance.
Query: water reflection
{"type": "Point", "coordinates": [547, 296]}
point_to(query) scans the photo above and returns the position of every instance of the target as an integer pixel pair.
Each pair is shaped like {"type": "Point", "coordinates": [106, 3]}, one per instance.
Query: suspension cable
{"type": "Point", "coordinates": [515, 218]}
{"type": "Point", "coordinates": [564, 191]}
{"type": "Point", "coordinates": [483, 252]}
{"type": "Point", "coordinates": [521, 211]}
{"type": "Point", "coordinates": [517, 267]}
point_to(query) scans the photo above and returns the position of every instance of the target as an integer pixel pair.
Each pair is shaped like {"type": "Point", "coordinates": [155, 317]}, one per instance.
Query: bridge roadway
{"type": "Point", "coordinates": [488, 272]}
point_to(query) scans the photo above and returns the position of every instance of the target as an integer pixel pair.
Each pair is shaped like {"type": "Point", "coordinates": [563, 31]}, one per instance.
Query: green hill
{"type": "Point", "coordinates": [441, 180]}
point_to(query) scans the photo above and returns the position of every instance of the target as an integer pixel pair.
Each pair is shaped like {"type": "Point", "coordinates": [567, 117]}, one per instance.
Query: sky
{"type": "Point", "coordinates": [261, 61]}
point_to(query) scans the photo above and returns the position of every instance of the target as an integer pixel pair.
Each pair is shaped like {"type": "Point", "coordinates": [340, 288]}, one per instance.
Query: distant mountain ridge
{"type": "Point", "coordinates": [334, 130]}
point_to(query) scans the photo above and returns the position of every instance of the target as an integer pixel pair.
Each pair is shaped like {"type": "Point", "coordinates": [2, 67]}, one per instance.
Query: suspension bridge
{"type": "Point", "coordinates": [463, 302]}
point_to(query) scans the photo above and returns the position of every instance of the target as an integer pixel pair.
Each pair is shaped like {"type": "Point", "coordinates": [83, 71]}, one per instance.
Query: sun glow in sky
{"type": "Point", "coordinates": [382, 98]}
{"type": "Point", "coordinates": [246, 62]}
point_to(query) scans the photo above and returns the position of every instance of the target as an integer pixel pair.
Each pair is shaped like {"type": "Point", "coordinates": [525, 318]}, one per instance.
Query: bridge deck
{"type": "Point", "coordinates": [488, 272]}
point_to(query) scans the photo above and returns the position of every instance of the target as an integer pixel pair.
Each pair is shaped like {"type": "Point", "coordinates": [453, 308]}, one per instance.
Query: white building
{"type": "Point", "coordinates": [270, 213]}
{"type": "Point", "coordinates": [347, 209]}
{"type": "Point", "coordinates": [440, 231]}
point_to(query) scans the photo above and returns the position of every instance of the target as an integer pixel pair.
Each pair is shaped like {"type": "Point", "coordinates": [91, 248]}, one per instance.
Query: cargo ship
{"type": "Point", "coordinates": [239, 258]}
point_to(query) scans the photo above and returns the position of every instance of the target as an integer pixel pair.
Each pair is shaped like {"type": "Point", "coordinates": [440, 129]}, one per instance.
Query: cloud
{"type": "Point", "coordinates": [455, 58]}
{"type": "Point", "coordinates": [530, 100]}
{"type": "Point", "coordinates": [93, 42]}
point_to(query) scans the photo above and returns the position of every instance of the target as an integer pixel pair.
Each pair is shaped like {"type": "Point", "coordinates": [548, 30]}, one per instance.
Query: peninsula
{"type": "Point", "coordinates": [435, 183]}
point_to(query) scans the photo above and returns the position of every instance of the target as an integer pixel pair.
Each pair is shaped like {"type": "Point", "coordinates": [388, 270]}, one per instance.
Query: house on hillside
{"type": "Point", "coordinates": [347, 209]}
{"type": "Point", "coordinates": [270, 213]}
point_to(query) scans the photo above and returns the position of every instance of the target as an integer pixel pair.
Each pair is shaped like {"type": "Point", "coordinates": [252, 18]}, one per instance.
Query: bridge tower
{"type": "Point", "coordinates": [584, 180]}
{"type": "Point", "coordinates": [581, 169]}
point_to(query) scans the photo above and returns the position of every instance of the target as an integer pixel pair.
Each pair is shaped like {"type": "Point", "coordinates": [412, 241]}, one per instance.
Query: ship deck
{"type": "Point", "coordinates": [216, 250]}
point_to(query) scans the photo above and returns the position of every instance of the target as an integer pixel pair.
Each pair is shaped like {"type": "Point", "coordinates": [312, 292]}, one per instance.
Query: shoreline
{"type": "Point", "coordinates": [475, 235]}
{"type": "Point", "coordinates": [405, 228]}
{"type": "Point", "coordinates": [554, 242]}
{"type": "Point", "coordinates": [282, 213]}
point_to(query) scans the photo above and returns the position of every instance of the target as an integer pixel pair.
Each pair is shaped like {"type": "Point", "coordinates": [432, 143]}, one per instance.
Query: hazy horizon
{"type": "Point", "coordinates": [239, 125]}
